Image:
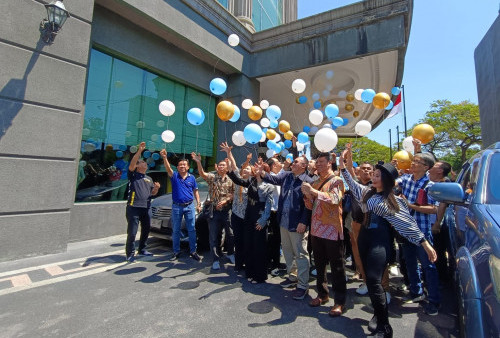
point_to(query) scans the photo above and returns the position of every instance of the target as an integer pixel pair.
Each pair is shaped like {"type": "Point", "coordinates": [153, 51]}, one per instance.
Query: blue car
{"type": "Point", "coordinates": [473, 219]}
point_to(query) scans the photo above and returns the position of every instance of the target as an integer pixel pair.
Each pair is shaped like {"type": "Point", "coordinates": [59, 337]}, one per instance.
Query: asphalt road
{"type": "Point", "coordinates": [90, 291]}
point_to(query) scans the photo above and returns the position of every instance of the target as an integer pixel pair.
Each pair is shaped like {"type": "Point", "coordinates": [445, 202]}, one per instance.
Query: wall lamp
{"type": "Point", "coordinates": [56, 16]}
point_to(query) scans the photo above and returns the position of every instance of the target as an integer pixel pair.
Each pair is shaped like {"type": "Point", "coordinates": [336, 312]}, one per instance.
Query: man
{"type": "Point", "coordinates": [184, 193]}
{"type": "Point", "coordinates": [414, 189]}
{"type": "Point", "coordinates": [293, 218]}
{"type": "Point", "coordinates": [324, 197]}
{"type": "Point", "coordinates": [220, 192]}
{"type": "Point", "coordinates": [274, 237]}
{"type": "Point", "coordinates": [140, 190]}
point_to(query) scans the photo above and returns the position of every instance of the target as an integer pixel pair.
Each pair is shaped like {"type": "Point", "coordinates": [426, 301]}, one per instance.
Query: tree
{"type": "Point", "coordinates": [365, 150]}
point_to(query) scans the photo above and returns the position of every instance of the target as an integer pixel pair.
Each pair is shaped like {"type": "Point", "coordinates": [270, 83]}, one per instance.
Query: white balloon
{"type": "Point", "coordinates": [284, 152]}
{"type": "Point", "coordinates": [298, 86]}
{"type": "Point", "coordinates": [168, 136]}
{"type": "Point", "coordinates": [329, 74]}
{"type": "Point", "coordinates": [408, 144]}
{"type": "Point", "coordinates": [160, 123]}
{"type": "Point", "coordinates": [89, 147]}
{"type": "Point", "coordinates": [238, 138]}
{"type": "Point", "coordinates": [357, 94]}
{"type": "Point", "coordinates": [128, 133]}
{"type": "Point", "coordinates": [140, 124]}
{"type": "Point", "coordinates": [264, 104]}
{"type": "Point", "coordinates": [315, 96]}
{"type": "Point", "coordinates": [85, 132]}
{"type": "Point", "coordinates": [300, 146]}
{"type": "Point", "coordinates": [133, 149]}
{"type": "Point", "coordinates": [316, 117]}
{"type": "Point", "coordinates": [154, 137]}
{"type": "Point", "coordinates": [342, 94]}
{"type": "Point", "coordinates": [313, 130]}
{"type": "Point", "coordinates": [233, 40]}
{"type": "Point", "coordinates": [277, 138]}
{"type": "Point", "coordinates": [363, 127]}
{"type": "Point", "coordinates": [270, 153]}
{"type": "Point", "coordinates": [325, 140]}
{"type": "Point", "coordinates": [327, 125]}
{"type": "Point", "coordinates": [247, 103]}
{"type": "Point", "coordinates": [167, 108]}
{"type": "Point", "coordinates": [264, 122]}
{"type": "Point", "coordinates": [263, 138]}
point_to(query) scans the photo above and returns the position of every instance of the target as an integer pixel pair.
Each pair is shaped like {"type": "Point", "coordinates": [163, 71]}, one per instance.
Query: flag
{"type": "Point", "coordinates": [398, 107]}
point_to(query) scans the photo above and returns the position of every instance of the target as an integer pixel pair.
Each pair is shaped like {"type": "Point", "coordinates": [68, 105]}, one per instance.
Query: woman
{"type": "Point", "coordinates": [382, 208]}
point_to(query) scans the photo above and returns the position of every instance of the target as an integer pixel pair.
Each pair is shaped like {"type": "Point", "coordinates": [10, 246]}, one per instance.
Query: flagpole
{"type": "Point", "coordinates": [397, 135]}
{"type": "Point", "coordinates": [404, 109]}
{"type": "Point", "coordinates": [390, 144]}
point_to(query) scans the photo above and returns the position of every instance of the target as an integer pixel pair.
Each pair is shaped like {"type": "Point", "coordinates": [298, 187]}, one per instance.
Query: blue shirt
{"type": "Point", "coordinates": [182, 189]}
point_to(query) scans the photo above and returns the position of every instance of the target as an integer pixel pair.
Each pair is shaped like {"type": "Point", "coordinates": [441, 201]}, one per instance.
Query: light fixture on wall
{"type": "Point", "coordinates": [56, 16]}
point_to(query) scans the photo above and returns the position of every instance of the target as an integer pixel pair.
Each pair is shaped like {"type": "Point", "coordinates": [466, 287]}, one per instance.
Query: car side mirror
{"type": "Point", "coordinates": [447, 193]}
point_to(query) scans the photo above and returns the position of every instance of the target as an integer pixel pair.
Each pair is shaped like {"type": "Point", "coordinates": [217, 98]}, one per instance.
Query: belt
{"type": "Point", "coordinates": [183, 204]}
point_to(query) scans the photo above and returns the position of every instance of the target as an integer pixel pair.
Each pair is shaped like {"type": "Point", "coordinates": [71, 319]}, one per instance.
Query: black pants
{"type": "Point", "coordinates": [374, 250]}
{"type": "Point", "coordinates": [441, 245]}
{"type": "Point", "coordinates": [274, 241]}
{"type": "Point", "coordinates": [238, 226]}
{"type": "Point", "coordinates": [134, 216]}
{"type": "Point", "coordinates": [328, 251]}
{"type": "Point", "coordinates": [255, 244]}
{"type": "Point", "coordinates": [219, 221]}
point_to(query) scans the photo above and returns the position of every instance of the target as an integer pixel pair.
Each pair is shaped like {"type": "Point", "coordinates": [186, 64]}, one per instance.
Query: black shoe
{"type": "Point", "coordinates": [175, 256]}
{"type": "Point", "coordinates": [144, 252]}
{"type": "Point", "coordinates": [195, 256]}
{"type": "Point", "coordinates": [385, 332]}
{"type": "Point", "coordinates": [432, 309]}
{"type": "Point", "coordinates": [372, 325]}
{"type": "Point", "coordinates": [130, 258]}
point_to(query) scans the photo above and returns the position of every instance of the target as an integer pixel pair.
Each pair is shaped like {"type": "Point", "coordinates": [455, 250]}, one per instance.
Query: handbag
{"type": "Point", "coordinates": [207, 210]}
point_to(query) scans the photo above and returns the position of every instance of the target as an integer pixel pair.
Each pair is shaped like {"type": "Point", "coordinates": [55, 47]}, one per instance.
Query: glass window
{"type": "Point", "coordinates": [121, 110]}
{"type": "Point", "coordinates": [267, 14]}
{"type": "Point", "coordinates": [223, 3]}
{"type": "Point", "coordinates": [493, 185]}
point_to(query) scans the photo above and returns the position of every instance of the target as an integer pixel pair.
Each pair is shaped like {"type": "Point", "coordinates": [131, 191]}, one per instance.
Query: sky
{"type": "Point", "coordinates": [439, 61]}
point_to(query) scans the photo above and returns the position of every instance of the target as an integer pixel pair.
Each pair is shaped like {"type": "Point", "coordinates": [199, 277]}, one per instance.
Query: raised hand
{"type": "Point", "coordinates": [249, 156]}
{"type": "Point", "coordinates": [163, 153]}
{"type": "Point", "coordinates": [225, 147]}
{"type": "Point", "coordinates": [195, 157]}
{"type": "Point", "coordinates": [142, 146]}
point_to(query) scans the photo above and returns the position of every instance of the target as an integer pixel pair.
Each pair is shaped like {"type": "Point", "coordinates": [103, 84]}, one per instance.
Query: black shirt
{"type": "Point", "coordinates": [140, 187]}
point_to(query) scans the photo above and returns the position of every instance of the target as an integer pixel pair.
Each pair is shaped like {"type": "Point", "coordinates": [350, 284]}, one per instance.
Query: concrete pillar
{"type": "Point", "coordinates": [289, 11]}
{"type": "Point", "coordinates": [242, 9]}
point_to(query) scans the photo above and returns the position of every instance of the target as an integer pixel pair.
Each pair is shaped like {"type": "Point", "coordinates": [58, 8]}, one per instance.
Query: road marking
{"type": "Point", "coordinates": [19, 280]}
{"type": "Point", "coordinates": [56, 270]}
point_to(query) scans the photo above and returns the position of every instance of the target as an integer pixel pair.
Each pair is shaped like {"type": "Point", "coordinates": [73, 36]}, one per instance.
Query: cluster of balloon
{"type": "Point", "coordinates": [325, 140]}
{"type": "Point", "coordinates": [225, 110]}
{"type": "Point", "coordinates": [423, 132]}
{"type": "Point", "coordinates": [403, 158]}
{"type": "Point", "coordinates": [363, 127]}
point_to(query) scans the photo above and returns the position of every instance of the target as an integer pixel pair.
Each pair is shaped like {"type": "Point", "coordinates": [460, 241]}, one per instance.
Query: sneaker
{"type": "Point", "coordinates": [231, 258]}
{"type": "Point", "coordinates": [348, 259]}
{"type": "Point", "coordinates": [275, 272]}
{"type": "Point", "coordinates": [299, 294]}
{"type": "Point", "coordinates": [388, 297]}
{"type": "Point", "coordinates": [372, 325]}
{"type": "Point", "coordinates": [393, 270]}
{"type": "Point", "coordinates": [402, 287]}
{"type": "Point", "coordinates": [216, 265]}
{"type": "Point", "coordinates": [131, 258]}
{"type": "Point", "coordinates": [175, 256]}
{"type": "Point", "coordinates": [386, 332]}
{"type": "Point", "coordinates": [144, 252]}
{"type": "Point", "coordinates": [414, 299]}
{"type": "Point", "coordinates": [314, 272]}
{"type": "Point", "coordinates": [362, 290]}
{"type": "Point", "coordinates": [431, 309]}
{"type": "Point", "coordinates": [195, 256]}
{"type": "Point", "coordinates": [288, 283]}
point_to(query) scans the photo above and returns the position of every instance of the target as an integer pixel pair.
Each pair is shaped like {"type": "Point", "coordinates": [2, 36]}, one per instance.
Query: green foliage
{"type": "Point", "coordinates": [365, 150]}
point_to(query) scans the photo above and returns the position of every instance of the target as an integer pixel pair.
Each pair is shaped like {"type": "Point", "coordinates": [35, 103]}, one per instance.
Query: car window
{"type": "Point", "coordinates": [493, 185]}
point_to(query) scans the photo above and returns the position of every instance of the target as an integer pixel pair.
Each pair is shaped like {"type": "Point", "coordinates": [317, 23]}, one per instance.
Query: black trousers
{"type": "Point", "coordinates": [328, 251]}
{"type": "Point", "coordinates": [255, 244]}
{"type": "Point", "coordinates": [134, 217]}
{"type": "Point", "coordinates": [238, 226]}
{"type": "Point", "coordinates": [441, 245]}
{"type": "Point", "coordinates": [274, 241]}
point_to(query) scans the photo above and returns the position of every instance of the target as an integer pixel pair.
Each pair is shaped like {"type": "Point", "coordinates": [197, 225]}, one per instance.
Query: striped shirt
{"type": "Point", "coordinates": [402, 221]}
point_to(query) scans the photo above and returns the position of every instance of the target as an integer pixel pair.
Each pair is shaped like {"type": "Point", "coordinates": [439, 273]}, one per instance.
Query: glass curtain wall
{"type": "Point", "coordinates": [267, 14]}
{"type": "Point", "coordinates": [121, 110]}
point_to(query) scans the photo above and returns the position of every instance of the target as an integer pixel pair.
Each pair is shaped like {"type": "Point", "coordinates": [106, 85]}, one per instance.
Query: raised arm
{"type": "Point", "coordinates": [227, 149]}
{"type": "Point", "coordinates": [238, 180]}
{"type": "Point", "coordinates": [137, 155]}
{"type": "Point", "coordinates": [197, 159]}
{"type": "Point", "coordinates": [349, 165]}
{"type": "Point", "coordinates": [168, 168]}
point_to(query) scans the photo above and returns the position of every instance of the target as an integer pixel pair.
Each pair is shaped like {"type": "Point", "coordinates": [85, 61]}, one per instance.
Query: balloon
{"type": "Point", "coordinates": [325, 140]}
{"type": "Point", "coordinates": [368, 95]}
{"type": "Point", "coordinates": [317, 104]}
{"type": "Point", "coordinates": [265, 122]}
{"type": "Point", "coordinates": [85, 132]}
{"type": "Point", "coordinates": [282, 145]}
{"type": "Point", "coordinates": [128, 133]}
{"type": "Point", "coordinates": [273, 123]}
{"type": "Point", "coordinates": [289, 157]}
{"type": "Point", "coordinates": [284, 126]}
{"type": "Point", "coordinates": [264, 104]}
{"type": "Point", "coordinates": [225, 110]}
{"type": "Point", "coordinates": [349, 97]}
{"type": "Point", "coordinates": [338, 121]}
{"type": "Point", "coordinates": [168, 136]}
{"type": "Point", "coordinates": [263, 136]}
{"type": "Point", "coordinates": [238, 138]}
{"type": "Point", "coordinates": [156, 156]}
{"type": "Point", "coordinates": [349, 107]}
{"type": "Point", "coordinates": [395, 90]}
{"type": "Point", "coordinates": [89, 147]}
{"type": "Point", "coordinates": [314, 130]}
{"type": "Point", "coordinates": [302, 99]}
{"type": "Point", "coordinates": [270, 153]}
{"type": "Point", "coordinates": [255, 113]}
{"type": "Point", "coordinates": [316, 117]}
{"type": "Point", "coordinates": [150, 160]}
{"type": "Point", "coordinates": [252, 133]}
{"type": "Point", "coordinates": [271, 134]}
{"type": "Point", "coordinates": [355, 113]}
{"type": "Point", "coordinates": [345, 121]}
{"type": "Point", "coordinates": [247, 103]}
{"type": "Point", "coordinates": [331, 110]}
{"type": "Point", "coordinates": [342, 94]}
{"type": "Point", "coordinates": [154, 137]}
{"type": "Point", "coordinates": [236, 115]}
{"type": "Point", "coordinates": [288, 135]}
{"type": "Point", "coordinates": [284, 152]}
{"type": "Point", "coordinates": [423, 132]}
{"type": "Point", "coordinates": [326, 93]}
{"type": "Point", "coordinates": [303, 137]}
{"type": "Point", "coordinates": [381, 100]}
{"type": "Point", "coordinates": [195, 116]}
{"type": "Point", "coordinates": [146, 154]}
{"type": "Point", "coordinates": [315, 96]}
{"type": "Point", "coordinates": [327, 125]}
{"type": "Point", "coordinates": [218, 86]}
{"type": "Point", "coordinates": [167, 108]}
{"type": "Point", "coordinates": [357, 94]}
{"type": "Point", "coordinates": [233, 40]}
{"type": "Point", "coordinates": [122, 147]}
{"type": "Point", "coordinates": [277, 138]}
{"type": "Point", "coordinates": [298, 86]}
{"type": "Point", "coordinates": [273, 112]}
{"type": "Point", "coordinates": [363, 127]}
{"type": "Point", "coordinates": [300, 147]}
{"type": "Point", "coordinates": [119, 154]}
{"type": "Point", "coordinates": [408, 144]}
{"type": "Point", "coordinates": [133, 149]}
{"type": "Point", "coordinates": [355, 164]}
{"type": "Point", "coordinates": [140, 124]}
{"type": "Point", "coordinates": [306, 129]}
{"type": "Point", "coordinates": [404, 159]}
{"type": "Point", "coordinates": [288, 144]}
{"type": "Point", "coordinates": [329, 74]}
{"type": "Point", "coordinates": [389, 107]}
{"type": "Point", "coordinates": [160, 123]}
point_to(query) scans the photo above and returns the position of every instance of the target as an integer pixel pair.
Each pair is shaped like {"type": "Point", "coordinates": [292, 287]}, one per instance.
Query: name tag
{"type": "Point", "coordinates": [373, 226]}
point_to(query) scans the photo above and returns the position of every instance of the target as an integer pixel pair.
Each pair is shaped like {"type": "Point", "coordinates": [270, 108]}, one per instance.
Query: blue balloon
{"type": "Point", "coordinates": [331, 110]}
{"type": "Point", "coordinates": [334, 127]}
{"type": "Point", "coordinates": [252, 133]}
{"type": "Point", "coordinates": [236, 115]}
{"type": "Point", "coordinates": [354, 164]}
{"type": "Point", "coordinates": [302, 99]}
{"type": "Point", "coordinates": [389, 107]}
{"type": "Point", "coordinates": [288, 144]}
{"type": "Point", "coordinates": [146, 154]}
{"type": "Point", "coordinates": [156, 156]}
{"type": "Point", "coordinates": [273, 113]}
{"type": "Point", "coordinates": [218, 86]}
{"type": "Point", "coordinates": [395, 90]}
{"type": "Point", "coordinates": [273, 123]}
{"type": "Point", "coordinates": [281, 145]}
{"type": "Point", "coordinates": [264, 130]}
{"type": "Point", "coordinates": [338, 121]}
{"type": "Point", "coordinates": [306, 129]}
{"type": "Point", "coordinates": [303, 137]}
{"type": "Point", "coordinates": [346, 121]}
{"type": "Point", "coordinates": [152, 165]}
{"type": "Point", "coordinates": [367, 95]}
{"type": "Point", "coordinates": [271, 144]}
{"type": "Point", "coordinates": [119, 154]}
{"type": "Point", "coordinates": [190, 170]}
{"type": "Point", "coordinates": [122, 147]}
{"type": "Point", "coordinates": [289, 157]}
{"type": "Point", "coordinates": [195, 116]}
{"type": "Point", "coordinates": [317, 104]}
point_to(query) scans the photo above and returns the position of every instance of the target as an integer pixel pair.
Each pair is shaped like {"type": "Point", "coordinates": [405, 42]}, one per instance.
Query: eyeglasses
{"type": "Point", "coordinates": [419, 162]}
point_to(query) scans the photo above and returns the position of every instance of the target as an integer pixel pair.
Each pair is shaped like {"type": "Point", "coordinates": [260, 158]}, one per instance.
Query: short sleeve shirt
{"type": "Point", "coordinates": [140, 187]}
{"type": "Point", "coordinates": [182, 188]}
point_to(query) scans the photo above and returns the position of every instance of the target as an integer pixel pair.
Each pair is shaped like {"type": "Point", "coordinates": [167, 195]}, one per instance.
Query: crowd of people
{"type": "Point", "coordinates": [313, 213]}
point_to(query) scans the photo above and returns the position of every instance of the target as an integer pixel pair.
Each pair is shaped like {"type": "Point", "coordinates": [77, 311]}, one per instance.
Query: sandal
{"type": "Point", "coordinates": [318, 301]}
{"type": "Point", "coordinates": [336, 311]}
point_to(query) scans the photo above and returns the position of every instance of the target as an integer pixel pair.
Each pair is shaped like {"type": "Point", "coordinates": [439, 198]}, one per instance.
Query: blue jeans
{"type": "Point", "coordinates": [189, 216]}
{"type": "Point", "coordinates": [412, 253]}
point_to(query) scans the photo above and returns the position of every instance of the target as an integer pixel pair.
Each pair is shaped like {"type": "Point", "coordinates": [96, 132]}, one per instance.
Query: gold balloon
{"type": "Point", "coordinates": [381, 100]}
{"type": "Point", "coordinates": [404, 159]}
{"type": "Point", "coordinates": [225, 110]}
{"type": "Point", "coordinates": [423, 132]}
{"type": "Point", "coordinates": [356, 113]}
{"type": "Point", "coordinates": [254, 113]}
{"type": "Point", "coordinates": [349, 97]}
{"type": "Point", "coordinates": [284, 126]}
{"type": "Point", "coordinates": [297, 100]}
{"type": "Point", "coordinates": [271, 134]}
{"type": "Point", "coordinates": [349, 107]}
{"type": "Point", "coordinates": [288, 135]}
